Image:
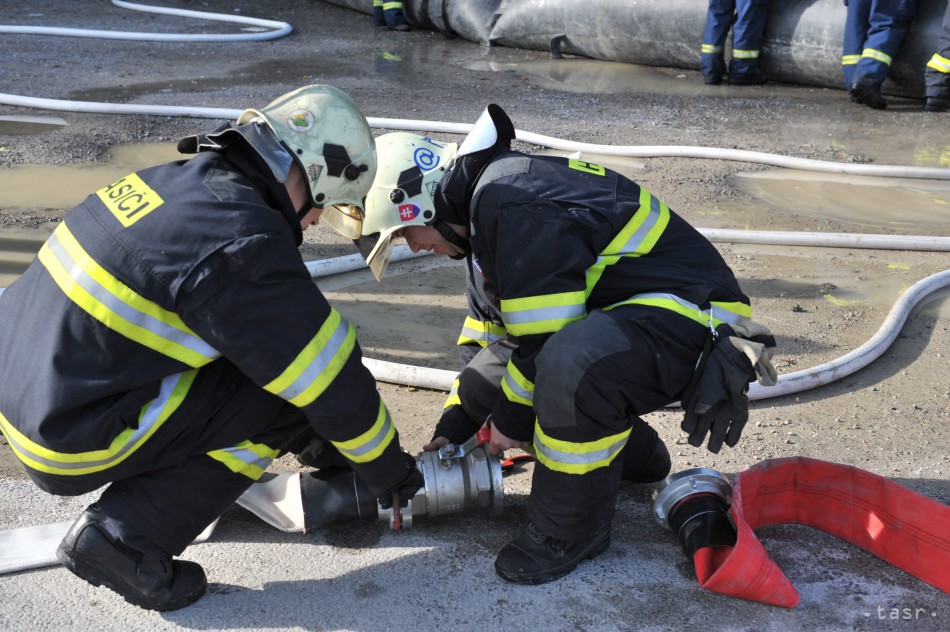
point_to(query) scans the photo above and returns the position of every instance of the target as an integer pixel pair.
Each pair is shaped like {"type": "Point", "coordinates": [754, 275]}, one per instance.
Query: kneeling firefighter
{"type": "Point", "coordinates": [169, 340]}
{"type": "Point", "coordinates": [591, 304]}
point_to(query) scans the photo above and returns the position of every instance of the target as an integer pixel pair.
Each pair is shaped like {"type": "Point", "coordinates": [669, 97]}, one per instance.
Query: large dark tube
{"type": "Point", "coordinates": [334, 495]}
{"type": "Point", "coordinates": [803, 41]}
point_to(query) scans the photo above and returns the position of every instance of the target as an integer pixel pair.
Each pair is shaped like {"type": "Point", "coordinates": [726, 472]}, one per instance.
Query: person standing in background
{"type": "Point", "coordinates": [873, 33]}
{"type": "Point", "coordinates": [937, 75]}
{"type": "Point", "coordinates": [749, 18]}
{"type": "Point", "coordinates": [388, 14]}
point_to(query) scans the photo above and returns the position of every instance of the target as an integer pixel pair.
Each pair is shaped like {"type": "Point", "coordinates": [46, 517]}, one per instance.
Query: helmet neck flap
{"type": "Point", "coordinates": [491, 134]}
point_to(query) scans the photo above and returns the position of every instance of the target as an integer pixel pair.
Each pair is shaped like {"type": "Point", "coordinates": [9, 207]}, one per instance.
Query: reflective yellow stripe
{"type": "Point", "coordinates": [711, 49]}
{"type": "Point", "coordinates": [745, 54]}
{"type": "Point", "coordinates": [517, 387]}
{"type": "Point", "coordinates": [389, 6]}
{"type": "Point", "coordinates": [171, 393]}
{"type": "Point", "coordinates": [878, 55]}
{"type": "Point", "coordinates": [543, 314]}
{"type": "Point", "coordinates": [939, 63]}
{"type": "Point", "coordinates": [637, 238]}
{"type": "Point", "coordinates": [850, 60]}
{"type": "Point", "coordinates": [577, 458]}
{"type": "Point", "coordinates": [371, 443]}
{"type": "Point", "coordinates": [249, 459]}
{"type": "Point", "coordinates": [92, 288]}
{"type": "Point", "coordinates": [453, 399]}
{"type": "Point", "coordinates": [481, 332]}
{"type": "Point", "coordinates": [318, 364]}
{"type": "Point", "coordinates": [719, 312]}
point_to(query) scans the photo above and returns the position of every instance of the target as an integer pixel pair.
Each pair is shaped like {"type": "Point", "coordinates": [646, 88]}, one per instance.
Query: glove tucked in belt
{"type": "Point", "coordinates": [715, 400]}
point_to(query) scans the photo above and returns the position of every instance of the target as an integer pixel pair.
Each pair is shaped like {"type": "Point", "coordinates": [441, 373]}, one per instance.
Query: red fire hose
{"type": "Point", "coordinates": [902, 527]}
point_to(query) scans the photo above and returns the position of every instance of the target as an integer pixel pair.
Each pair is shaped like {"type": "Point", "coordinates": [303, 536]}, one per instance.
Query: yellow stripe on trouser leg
{"type": "Point", "coordinates": [577, 458]}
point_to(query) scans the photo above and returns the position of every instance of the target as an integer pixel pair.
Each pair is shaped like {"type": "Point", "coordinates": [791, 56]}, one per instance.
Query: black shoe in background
{"type": "Point", "coordinates": [935, 104]}
{"type": "Point", "coordinates": [536, 558]}
{"type": "Point", "coordinates": [89, 551]}
{"type": "Point", "coordinates": [748, 79]}
{"type": "Point", "coordinates": [868, 95]}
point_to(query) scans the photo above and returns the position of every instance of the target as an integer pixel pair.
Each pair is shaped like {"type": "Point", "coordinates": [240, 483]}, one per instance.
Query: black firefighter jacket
{"type": "Point", "coordinates": [554, 238]}
{"type": "Point", "coordinates": [151, 278]}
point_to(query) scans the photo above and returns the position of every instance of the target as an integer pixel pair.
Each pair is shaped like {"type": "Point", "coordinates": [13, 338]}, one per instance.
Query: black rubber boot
{"type": "Point", "coordinates": [936, 104]}
{"type": "Point", "coordinates": [89, 551]}
{"type": "Point", "coordinates": [645, 457]}
{"type": "Point", "coordinates": [867, 94]}
{"type": "Point", "coordinates": [748, 79]}
{"type": "Point", "coordinates": [536, 558]}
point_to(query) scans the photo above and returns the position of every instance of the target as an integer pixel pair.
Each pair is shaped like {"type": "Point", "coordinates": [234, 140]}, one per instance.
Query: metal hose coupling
{"type": "Point", "coordinates": [457, 478]}
{"type": "Point", "coordinates": [694, 505]}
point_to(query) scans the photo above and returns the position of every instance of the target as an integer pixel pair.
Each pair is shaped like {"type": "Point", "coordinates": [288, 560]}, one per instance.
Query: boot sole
{"type": "Point", "coordinates": [596, 548]}
{"type": "Point", "coordinates": [87, 570]}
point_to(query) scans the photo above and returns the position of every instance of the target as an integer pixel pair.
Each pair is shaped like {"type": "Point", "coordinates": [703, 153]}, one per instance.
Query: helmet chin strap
{"type": "Point", "coordinates": [453, 238]}
{"type": "Point", "coordinates": [303, 210]}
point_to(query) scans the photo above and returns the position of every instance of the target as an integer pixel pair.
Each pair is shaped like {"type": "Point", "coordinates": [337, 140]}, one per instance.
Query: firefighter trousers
{"type": "Point", "coordinates": [594, 379]}
{"type": "Point", "coordinates": [748, 34]}
{"type": "Point", "coordinates": [208, 452]}
{"type": "Point", "coordinates": [873, 32]}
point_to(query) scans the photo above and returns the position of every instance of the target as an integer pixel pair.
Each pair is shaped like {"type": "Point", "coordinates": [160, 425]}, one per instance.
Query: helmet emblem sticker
{"type": "Point", "coordinates": [313, 172]}
{"type": "Point", "coordinates": [425, 158]}
{"type": "Point", "coordinates": [300, 120]}
{"type": "Point", "coordinates": [408, 212]}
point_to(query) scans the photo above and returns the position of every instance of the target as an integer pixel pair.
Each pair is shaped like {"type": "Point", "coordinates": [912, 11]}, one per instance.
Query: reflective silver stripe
{"type": "Point", "coordinates": [538, 314]}
{"type": "Point", "coordinates": [578, 462]}
{"type": "Point", "coordinates": [482, 337]}
{"type": "Point", "coordinates": [714, 313]}
{"type": "Point", "coordinates": [939, 63]}
{"type": "Point", "coordinates": [326, 356]}
{"type": "Point", "coordinates": [372, 443]}
{"type": "Point", "coordinates": [510, 383]}
{"type": "Point", "coordinates": [126, 311]}
{"type": "Point", "coordinates": [171, 392]}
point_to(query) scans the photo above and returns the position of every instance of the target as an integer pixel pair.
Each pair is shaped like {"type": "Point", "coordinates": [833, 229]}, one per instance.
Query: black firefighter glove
{"type": "Point", "coordinates": [406, 488]}
{"type": "Point", "coordinates": [715, 400]}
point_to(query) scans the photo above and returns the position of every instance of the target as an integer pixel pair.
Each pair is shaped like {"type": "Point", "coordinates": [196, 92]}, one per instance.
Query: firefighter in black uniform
{"type": "Point", "coordinates": [169, 341]}
{"type": "Point", "coordinates": [602, 301]}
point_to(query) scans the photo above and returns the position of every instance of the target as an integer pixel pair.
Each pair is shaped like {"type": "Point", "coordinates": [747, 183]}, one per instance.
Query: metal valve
{"type": "Point", "coordinates": [457, 478]}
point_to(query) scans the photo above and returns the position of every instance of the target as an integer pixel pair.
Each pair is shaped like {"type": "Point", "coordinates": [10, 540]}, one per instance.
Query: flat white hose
{"type": "Point", "coordinates": [639, 151]}
{"type": "Point", "coordinates": [349, 263]}
{"type": "Point", "coordinates": [273, 29]}
{"type": "Point", "coordinates": [425, 377]}
{"type": "Point", "coordinates": [441, 379]}
{"type": "Point", "coordinates": [863, 355]}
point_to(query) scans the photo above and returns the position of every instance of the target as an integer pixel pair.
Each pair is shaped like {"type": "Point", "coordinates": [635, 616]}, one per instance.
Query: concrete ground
{"type": "Point", "coordinates": [890, 418]}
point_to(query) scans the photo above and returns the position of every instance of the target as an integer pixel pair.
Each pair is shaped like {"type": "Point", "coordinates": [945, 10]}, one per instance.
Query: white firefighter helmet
{"type": "Point", "coordinates": [410, 169]}
{"type": "Point", "coordinates": [328, 136]}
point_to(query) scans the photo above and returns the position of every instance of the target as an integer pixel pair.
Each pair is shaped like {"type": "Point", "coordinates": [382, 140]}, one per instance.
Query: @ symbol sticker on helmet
{"type": "Point", "coordinates": [425, 158]}
{"type": "Point", "coordinates": [408, 212]}
{"type": "Point", "coordinates": [300, 120]}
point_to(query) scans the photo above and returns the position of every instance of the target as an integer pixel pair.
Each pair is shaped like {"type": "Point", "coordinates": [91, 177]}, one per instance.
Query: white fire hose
{"type": "Point", "coordinates": [49, 535]}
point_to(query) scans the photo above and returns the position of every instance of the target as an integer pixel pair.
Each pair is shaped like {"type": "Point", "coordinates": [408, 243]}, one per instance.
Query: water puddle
{"type": "Point", "coordinates": [917, 207]}
{"type": "Point", "coordinates": [590, 76]}
{"type": "Point", "coordinates": [65, 186]}
{"type": "Point", "coordinates": [24, 125]}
